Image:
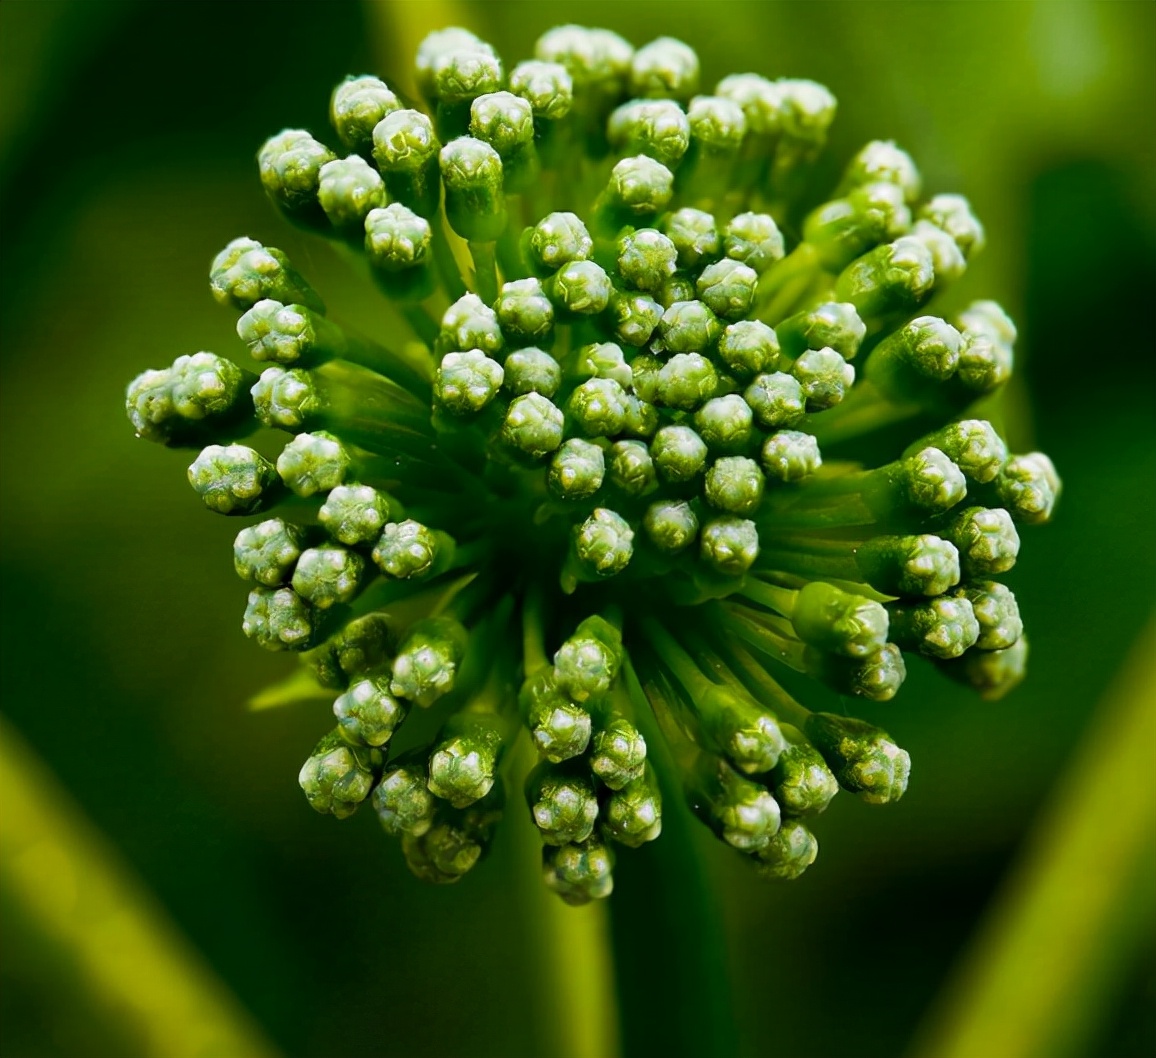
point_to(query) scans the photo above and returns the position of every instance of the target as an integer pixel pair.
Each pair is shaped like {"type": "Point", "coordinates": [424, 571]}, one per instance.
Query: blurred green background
{"type": "Point", "coordinates": [127, 137]}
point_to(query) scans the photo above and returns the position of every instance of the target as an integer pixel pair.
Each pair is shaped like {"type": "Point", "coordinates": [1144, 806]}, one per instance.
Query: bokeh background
{"type": "Point", "coordinates": [127, 136]}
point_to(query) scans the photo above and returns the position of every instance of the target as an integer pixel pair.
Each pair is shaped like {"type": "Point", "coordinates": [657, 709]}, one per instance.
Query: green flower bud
{"type": "Point", "coordinates": [337, 777]}
{"type": "Point", "coordinates": [472, 176]}
{"type": "Point", "coordinates": [641, 418]}
{"type": "Point", "coordinates": [897, 277]}
{"type": "Point", "coordinates": [586, 664]}
{"type": "Point", "coordinates": [402, 799]}
{"type": "Point", "coordinates": [523, 311]}
{"type": "Point", "coordinates": [197, 396]}
{"type": "Point", "coordinates": [788, 854]}
{"type": "Point", "coordinates": [396, 238]}
{"type": "Point", "coordinates": [531, 371]}
{"type": "Point", "coordinates": [533, 425]}
{"type": "Point", "coordinates": [579, 873]}
{"type": "Point", "coordinates": [830, 619]}
{"type": "Point", "coordinates": [313, 462]}
{"type": "Point", "coordinates": [741, 812]}
{"type": "Point", "coordinates": [952, 214]}
{"type": "Point", "coordinates": [285, 399]}
{"type": "Point", "coordinates": [726, 424]}
{"type": "Point", "coordinates": [734, 484]}
{"type": "Point", "coordinates": [290, 166]}
{"type": "Point", "coordinates": [745, 733]}
{"type": "Point", "coordinates": [776, 400]}
{"type": "Point", "coordinates": [278, 619]}
{"type": "Point", "coordinates": [633, 317]}
{"type": "Point", "coordinates": [717, 124]}
{"type": "Point", "coordinates": [877, 677]}
{"type": "Point", "coordinates": [664, 69]}
{"type": "Point", "coordinates": [577, 470]}
{"type": "Point", "coordinates": [463, 764]}
{"type": "Point", "coordinates": [657, 128]}
{"type": "Point", "coordinates": [557, 240]}
{"type": "Point", "coordinates": [559, 728]}
{"type": "Point", "coordinates": [246, 272]}
{"type": "Point", "coordinates": [233, 479]}
{"type": "Point", "coordinates": [824, 378]}
{"type": "Point", "coordinates": [940, 628]}
{"type": "Point", "coordinates": [405, 148]}
{"type": "Point", "coordinates": [427, 662]}
{"type": "Point", "coordinates": [671, 525]}
{"type": "Point", "coordinates": [803, 784]}
{"type": "Point", "coordinates": [679, 453]}
{"type": "Point", "coordinates": [581, 288]}
{"type": "Point", "coordinates": [996, 612]}
{"type": "Point", "coordinates": [284, 334]}
{"type": "Point", "coordinates": [605, 360]}
{"type": "Point", "coordinates": [354, 514]}
{"type": "Point", "coordinates": [594, 58]}
{"type": "Point", "coordinates": [633, 815]}
{"type": "Point", "coordinates": [834, 325]}
{"type": "Point", "coordinates": [455, 842]}
{"type": "Point", "coordinates": [993, 673]}
{"type": "Point", "coordinates": [562, 804]}
{"type": "Point", "coordinates": [268, 551]}
{"type": "Point", "coordinates": [946, 257]}
{"type": "Point", "coordinates": [760, 99]}
{"type": "Point", "coordinates": [864, 759]}
{"type": "Point", "coordinates": [753, 239]}
{"type": "Point", "coordinates": [469, 324]}
{"type": "Point", "coordinates": [987, 541]}
{"type": "Point", "coordinates": [677, 288]}
{"type": "Point", "coordinates": [789, 455]}
{"type": "Point", "coordinates": [618, 753]}
{"type": "Point", "coordinates": [604, 543]}
{"type": "Point", "coordinates": [598, 407]}
{"type": "Point", "coordinates": [729, 545]}
{"type": "Point", "coordinates": [327, 576]}
{"type": "Point", "coordinates": [503, 120]}
{"type": "Point", "coordinates": [363, 646]}
{"type": "Point", "coordinates": [632, 468]}
{"type": "Point", "coordinates": [749, 348]}
{"type": "Point", "coordinates": [687, 327]}
{"type": "Point", "coordinates": [357, 105]}
{"type": "Point", "coordinates": [466, 72]}
{"type": "Point", "coordinates": [546, 86]}
{"type": "Point", "coordinates": [367, 714]}
{"type": "Point", "coordinates": [1029, 487]}
{"type": "Point", "coordinates": [882, 162]}
{"type": "Point", "coordinates": [466, 382]}
{"type": "Point", "coordinates": [973, 445]}
{"type": "Point", "coordinates": [807, 110]}
{"type": "Point", "coordinates": [436, 45]}
{"type": "Point", "coordinates": [695, 236]}
{"type": "Point", "coordinates": [348, 189]}
{"type": "Point", "coordinates": [640, 186]}
{"type": "Point", "coordinates": [686, 381]}
{"type": "Point", "coordinates": [646, 259]}
{"type": "Point", "coordinates": [986, 317]}
{"type": "Point", "coordinates": [909, 565]}
{"type": "Point", "coordinates": [644, 372]}
{"type": "Point", "coordinates": [931, 481]}
{"type": "Point", "coordinates": [409, 550]}
{"type": "Point", "coordinates": [845, 228]}
{"type": "Point", "coordinates": [728, 288]}
{"type": "Point", "coordinates": [926, 348]}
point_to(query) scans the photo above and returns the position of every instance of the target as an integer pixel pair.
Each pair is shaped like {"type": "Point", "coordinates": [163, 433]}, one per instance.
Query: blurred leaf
{"type": "Point", "coordinates": [298, 687]}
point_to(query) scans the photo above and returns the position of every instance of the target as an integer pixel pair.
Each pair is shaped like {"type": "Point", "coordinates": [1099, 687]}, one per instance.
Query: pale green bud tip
{"type": "Point", "coordinates": [749, 348]}
{"type": "Point", "coordinates": [546, 86]}
{"type": "Point", "coordinates": [656, 128]}
{"type": "Point", "coordinates": [268, 551]}
{"type": "Point", "coordinates": [281, 333]}
{"type": "Point", "coordinates": [743, 813]}
{"type": "Point", "coordinates": [533, 425]}
{"type": "Point", "coordinates": [618, 753]}
{"type": "Point", "coordinates": [469, 323]}
{"type": "Point", "coordinates": [328, 576]}
{"type": "Point", "coordinates": [734, 484]}
{"type": "Point", "coordinates": [863, 758]}
{"type": "Point", "coordinates": [523, 311]}
{"type": "Point", "coordinates": [357, 105]}
{"type": "Point", "coordinates": [686, 381]}
{"type": "Point", "coordinates": [453, 845]}
{"type": "Point", "coordinates": [753, 239]}
{"type": "Point", "coordinates": [1030, 487]}
{"type": "Point", "coordinates": [531, 370]}
{"type": "Point", "coordinates": [396, 238]}
{"type": "Point", "coordinates": [730, 545]}
{"type": "Point", "coordinates": [462, 768]}
{"type": "Point", "coordinates": [987, 540]}
{"type": "Point", "coordinates": [439, 43]}
{"type": "Point", "coordinates": [646, 258]}
{"type": "Point", "coordinates": [558, 239]}
{"type": "Point", "coordinates": [687, 327]}
{"type": "Point", "coordinates": [579, 873]}
{"type": "Point", "coordinates": [803, 783]}
{"type": "Point", "coordinates": [760, 99]}
{"type": "Point", "coordinates": [940, 628]}
{"type": "Point", "coordinates": [881, 161]}
{"type": "Point", "coordinates": [679, 453]}
{"type": "Point", "coordinates": [354, 514]}
{"type": "Point", "coordinates": [598, 407]}
{"type": "Point", "coordinates": [593, 57]}
{"type": "Point", "coordinates": [695, 235]}
{"type": "Point", "coordinates": [664, 69]}
{"type": "Point", "coordinates": [586, 664]}
{"type": "Point", "coordinates": [641, 185]}
{"type": "Point", "coordinates": [470, 165]}
{"type": "Point", "coordinates": [634, 317]}
{"type": "Point", "coordinates": [285, 398]}
{"type": "Point", "coordinates": [179, 404]}
{"type": "Point", "coordinates": [909, 565]}
{"type": "Point", "coordinates": [246, 272]}
{"type": "Point", "coordinates": [997, 613]}
{"type": "Point", "coordinates": [895, 277]}
{"type": "Point", "coordinates": [749, 736]}
{"type": "Point", "coordinates": [985, 363]}
{"type": "Point", "coordinates": [952, 214]}
{"type": "Point", "coordinates": [278, 619]}
{"type": "Point", "coordinates": [808, 109]}
{"type": "Point", "coordinates": [362, 646]}
{"type": "Point", "coordinates": [671, 525]}
{"type": "Point", "coordinates": [788, 854]}
{"type": "Point", "coordinates": [717, 124]}
{"type": "Point", "coordinates": [466, 72]}
{"type": "Point", "coordinates": [337, 777]}
{"type": "Point", "coordinates": [504, 120]}
{"type": "Point", "coordinates": [789, 455]}
{"type": "Point", "coordinates": [987, 317]}
{"type": "Point", "coordinates": [830, 619]}
{"type": "Point", "coordinates": [776, 399]}
{"type": "Point", "coordinates": [605, 360]}
{"type": "Point", "coordinates": [834, 325]}
{"type": "Point", "coordinates": [932, 481]}
{"type": "Point", "coordinates": [367, 714]}
{"type": "Point", "coordinates": [727, 287]}
{"type": "Point", "coordinates": [604, 543]}
{"type": "Point", "coordinates": [577, 470]}
{"type": "Point", "coordinates": [562, 805]}
{"type": "Point", "coordinates": [426, 665]}
{"type": "Point", "coordinates": [404, 142]}
{"type": "Point", "coordinates": [407, 550]}
{"type": "Point", "coordinates": [633, 815]}
{"type": "Point", "coordinates": [993, 673]}
{"type": "Point", "coordinates": [349, 188]}
{"type": "Point", "coordinates": [233, 479]}
{"type": "Point", "coordinates": [313, 462]}
{"type": "Point", "coordinates": [726, 424]}
{"type": "Point", "coordinates": [632, 468]}
{"type": "Point", "coordinates": [466, 382]}
{"type": "Point", "coordinates": [877, 677]}
{"type": "Point", "coordinates": [290, 167]}
{"type": "Point", "coordinates": [581, 287]}
{"type": "Point", "coordinates": [559, 728]}
{"type": "Point", "coordinates": [974, 446]}
{"type": "Point", "coordinates": [824, 378]}
{"type": "Point", "coordinates": [403, 802]}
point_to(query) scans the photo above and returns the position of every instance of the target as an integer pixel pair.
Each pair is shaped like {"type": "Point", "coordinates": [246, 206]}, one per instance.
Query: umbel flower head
{"type": "Point", "coordinates": [631, 471]}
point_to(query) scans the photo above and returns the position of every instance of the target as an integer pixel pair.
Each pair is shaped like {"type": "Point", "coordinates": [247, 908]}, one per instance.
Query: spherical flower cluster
{"type": "Point", "coordinates": [621, 478]}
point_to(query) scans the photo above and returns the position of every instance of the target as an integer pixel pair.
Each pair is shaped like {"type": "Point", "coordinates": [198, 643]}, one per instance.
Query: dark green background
{"type": "Point", "coordinates": [128, 135]}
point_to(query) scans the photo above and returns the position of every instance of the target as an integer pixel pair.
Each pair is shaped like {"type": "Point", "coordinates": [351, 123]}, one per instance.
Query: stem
{"type": "Point", "coordinates": [485, 270]}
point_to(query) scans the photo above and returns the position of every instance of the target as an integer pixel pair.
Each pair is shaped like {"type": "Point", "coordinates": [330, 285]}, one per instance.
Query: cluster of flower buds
{"type": "Point", "coordinates": [616, 417]}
